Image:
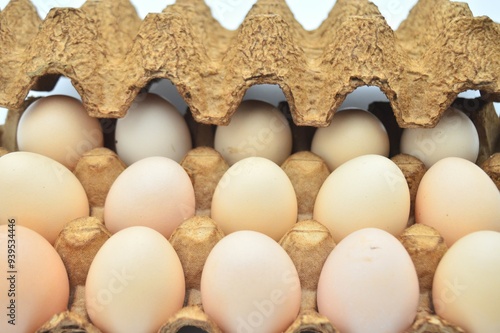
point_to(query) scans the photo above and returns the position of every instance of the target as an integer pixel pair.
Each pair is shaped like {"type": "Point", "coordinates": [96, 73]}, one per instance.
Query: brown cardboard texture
{"type": "Point", "coordinates": [110, 55]}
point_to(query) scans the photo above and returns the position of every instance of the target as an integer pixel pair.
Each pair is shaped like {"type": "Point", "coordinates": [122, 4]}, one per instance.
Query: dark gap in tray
{"type": "Point", "coordinates": [191, 329]}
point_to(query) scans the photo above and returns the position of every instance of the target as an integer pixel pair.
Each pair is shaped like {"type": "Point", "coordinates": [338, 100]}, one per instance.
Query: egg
{"type": "Point", "coordinates": [454, 136]}
{"type": "Point", "coordinates": [154, 192]}
{"type": "Point", "coordinates": [256, 129]}
{"type": "Point", "coordinates": [369, 284]}
{"type": "Point", "coordinates": [456, 197]}
{"type": "Point", "coordinates": [34, 282]}
{"type": "Point", "coordinates": [255, 194]}
{"type": "Point", "coordinates": [41, 193]}
{"type": "Point", "coordinates": [58, 127]}
{"type": "Point", "coordinates": [151, 127]}
{"type": "Point", "coordinates": [366, 191]}
{"type": "Point", "coordinates": [250, 284]}
{"type": "Point", "coordinates": [135, 282]}
{"type": "Point", "coordinates": [351, 133]}
{"type": "Point", "coordinates": [465, 290]}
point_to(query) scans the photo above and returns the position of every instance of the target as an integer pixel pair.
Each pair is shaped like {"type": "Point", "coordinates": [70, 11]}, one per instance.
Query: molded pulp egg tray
{"type": "Point", "coordinates": [110, 55]}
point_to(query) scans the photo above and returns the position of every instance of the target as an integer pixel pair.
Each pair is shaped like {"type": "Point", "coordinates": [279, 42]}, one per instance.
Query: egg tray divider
{"type": "Point", "coordinates": [308, 243]}
{"type": "Point", "coordinates": [109, 54]}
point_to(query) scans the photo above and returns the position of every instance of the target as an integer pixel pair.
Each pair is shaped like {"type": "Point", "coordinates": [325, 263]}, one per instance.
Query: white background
{"type": "Point", "coordinates": [230, 13]}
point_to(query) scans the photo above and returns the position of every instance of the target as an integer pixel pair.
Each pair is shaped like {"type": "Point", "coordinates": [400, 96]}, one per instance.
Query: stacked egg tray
{"type": "Point", "coordinates": [110, 55]}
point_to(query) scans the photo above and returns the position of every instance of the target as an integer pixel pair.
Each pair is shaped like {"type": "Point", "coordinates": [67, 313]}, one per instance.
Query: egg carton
{"type": "Point", "coordinates": [110, 54]}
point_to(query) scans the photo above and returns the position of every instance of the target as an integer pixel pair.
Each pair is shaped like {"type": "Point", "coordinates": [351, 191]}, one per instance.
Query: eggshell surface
{"type": "Point", "coordinates": [366, 191]}
{"type": "Point", "coordinates": [58, 127]}
{"type": "Point", "coordinates": [135, 282]}
{"type": "Point", "coordinates": [256, 129]}
{"type": "Point", "coordinates": [255, 194]}
{"type": "Point", "coordinates": [352, 133]}
{"type": "Point", "coordinates": [154, 192]}
{"type": "Point", "coordinates": [40, 193]}
{"type": "Point", "coordinates": [250, 284]}
{"type": "Point", "coordinates": [369, 284]}
{"type": "Point", "coordinates": [456, 197]}
{"type": "Point", "coordinates": [34, 282]}
{"type": "Point", "coordinates": [465, 290]}
{"type": "Point", "coordinates": [151, 127]}
{"type": "Point", "coordinates": [454, 136]}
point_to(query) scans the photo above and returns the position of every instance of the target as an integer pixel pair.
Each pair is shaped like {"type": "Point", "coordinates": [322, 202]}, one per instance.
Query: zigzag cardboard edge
{"type": "Point", "coordinates": [110, 55]}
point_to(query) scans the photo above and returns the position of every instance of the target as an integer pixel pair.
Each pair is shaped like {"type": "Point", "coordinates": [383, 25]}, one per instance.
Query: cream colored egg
{"type": "Point", "coordinates": [369, 191]}
{"type": "Point", "coordinates": [256, 129]}
{"type": "Point", "coordinates": [369, 284]}
{"type": "Point", "coordinates": [154, 192]}
{"type": "Point", "coordinates": [135, 282]}
{"type": "Point", "coordinates": [34, 282]}
{"type": "Point", "coordinates": [352, 133]}
{"type": "Point", "coordinates": [39, 193]}
{"type": "Point", "coordinates": [58, 127]}
{"type": "Point", "coordinates": [152, 127]}
{"type": "Point", "coordinates": [466, 289]}
{"type": "Point", "coordinates": [454, 136]}
{"type": "Point", "coordinates": [456, 197]}
{"type": "Point", "coordinates": [255, 194]}
{"type": "Point", "coordinates": [250, 284]}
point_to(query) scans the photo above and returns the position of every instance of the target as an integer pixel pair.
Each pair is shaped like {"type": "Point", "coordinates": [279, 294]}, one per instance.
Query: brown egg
{"type": "Point", "coordinates": [34, 285]}
{"type": "Point", "coordinates": [255, 194]}
{"type": "Point", "coordinates": [40, 193]}
{"type": "Point", "coordinates": [155, 192]}
{"type": "Point", "coordinates": [456, 198]}
{"type": "Point", "coordinates": [135, 282]}
{"type": "Point", "coordinates": [58, 127]}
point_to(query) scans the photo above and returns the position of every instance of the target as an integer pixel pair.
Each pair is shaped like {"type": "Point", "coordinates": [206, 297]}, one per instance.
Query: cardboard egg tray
{"type": "Point", "coordinates": [110, 55]}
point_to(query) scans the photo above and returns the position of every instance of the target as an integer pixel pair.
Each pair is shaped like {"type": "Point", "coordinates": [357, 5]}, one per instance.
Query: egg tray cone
{"type": "Point", "coordinates": [110, 54]}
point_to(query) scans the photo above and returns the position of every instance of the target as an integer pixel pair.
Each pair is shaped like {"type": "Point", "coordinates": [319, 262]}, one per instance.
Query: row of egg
{"type": "Point", "coordinates": [249, 283]}
{"type": "Point", "coordinates": [153, 127]}
{"type": "Point", "coordinates": [455, 196]}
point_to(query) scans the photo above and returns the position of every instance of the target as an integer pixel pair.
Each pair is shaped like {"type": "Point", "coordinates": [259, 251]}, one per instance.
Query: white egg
{"type": "Point", "coordinates": [352, 133]}
{"type": "Point", "coordinates": [367, 191]}
{"type": "Point", "coordinates": [454, 136]}
{"type": "Point", "coordinates": [152, 127]}
{"type": "Point", "coordinates": [250, 284]}
{"type": "Point", "coordinates": [466, 289]}
{"type": "Point", "coordinates": [256, 129]}
{"type": "Point", "coordinates": [255, 194]}
{"type": "Point", "coordinates": [369, 284]}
